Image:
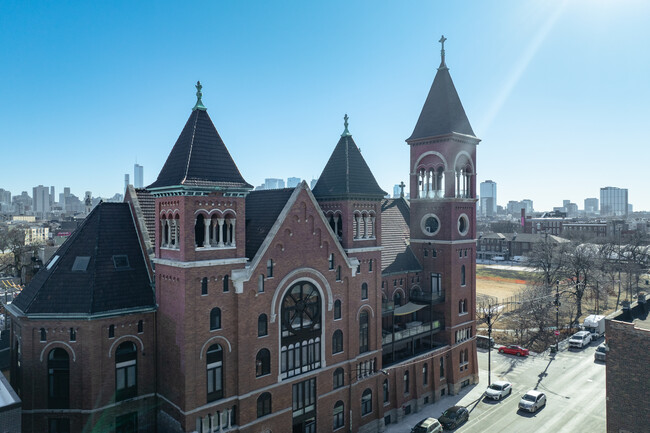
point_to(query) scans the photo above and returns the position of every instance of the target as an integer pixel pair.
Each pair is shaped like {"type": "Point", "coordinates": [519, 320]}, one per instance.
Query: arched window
{"type": "Point", "coordinates": [58, 370]}
{"type": "Point", "coordinates": [406, 382]}
{"type": "Point", "coordinates": [337, 341]}
{"type": "Point", "coordinates": [264, 404]}
{"type": "Point", "coordinates": [366, 402]}
{"type": "Point", "coordinates": [425, 374]}
{"type": "Point", "coordinates": [397, 297]}
{"type": "Point", "coordinates": [204, 286]}
{"type": "Point", "coordinates": [269, 268]}
{"type": "Point", "coordinates": [364, 291]}
{"type": "Point", "coordinates": [337, 309]}
{"type": "Point", "coordinates": [214, 365]}
{"type": "Point", "coordinates": [301, 321]}
{"type": "Point", "coordinates": [462, 275]}
{"type": "Point", "coordinates": [199, 231]}
{"type": "Point", "coordinates": [338, 378]}
{"type": "Point", "coordinates": [339, 415]}
{"type": "Point", "coordinates": [263, 363]}
{"type": "Point", "coordinates": [215, 318]}
{"type": "Point", "coordinates": [126, 381]}
{"type": "Point", "coordinates": [363, 332]}
{"type": "Point", "coordinates": [226, 288]}
{"type": "Point", "coordinates": [260, 284]}
{"type": "Point", "coordinates": [262, 325]}
{"type": "Point", "coordinates": [385, 388]}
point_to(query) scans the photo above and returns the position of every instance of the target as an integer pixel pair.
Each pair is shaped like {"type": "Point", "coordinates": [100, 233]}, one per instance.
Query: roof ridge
{"type": "Point", "coordinates": [189, 154]}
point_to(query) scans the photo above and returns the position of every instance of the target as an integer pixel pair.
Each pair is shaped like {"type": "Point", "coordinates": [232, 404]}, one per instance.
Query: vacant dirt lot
{"type": "Point", "coordinates": [499, 283]}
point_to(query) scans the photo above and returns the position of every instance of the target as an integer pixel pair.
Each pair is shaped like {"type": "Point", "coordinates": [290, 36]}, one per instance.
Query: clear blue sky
{"type": "Point", "coordinates": [558, 91]}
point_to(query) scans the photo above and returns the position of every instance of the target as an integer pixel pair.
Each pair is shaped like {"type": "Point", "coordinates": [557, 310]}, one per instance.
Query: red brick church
{"type": "Point", "coordinates": [201, 305]}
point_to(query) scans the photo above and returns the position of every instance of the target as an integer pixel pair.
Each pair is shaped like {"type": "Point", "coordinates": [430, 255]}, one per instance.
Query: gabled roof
{"type": "Point", "coordinates": [396, 255]}
{"type": "Point", "coordinates": [442, 113]}
{"type": "Point", "coordinates": [346, 175]}
{"type": "Point", "coordinates": [110, 273]}
{"type": "Point", "coordinates": [199, 159]}
{"type": "Point", "coordinates": [262, 210]}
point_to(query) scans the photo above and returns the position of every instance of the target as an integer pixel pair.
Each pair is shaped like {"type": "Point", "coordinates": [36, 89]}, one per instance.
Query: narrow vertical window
{"type": "Point", "coordinates": [331, 261]}
{"type": "Point", "coordinates": [58, 367]}
{"type": "Point", "coordinates": [73, 335]}
{"type": "Point", "coordinates": [364, 291]}
{"type": "Point", "coordinates": [406, 382]}
{"type": "Point", "coordinates": [338, 378]}
{"type": "Point", "coordinates": [337, 341]}
{"type": "Point", "coordinates": [339, 415]}
{"type": "Point", "coordinates": [140, 326]}
{"type": "Point", "coordinates": [385, 388]}
{"type": "Point", "coordinates": [260, 284]}
{"type": "Point", "coordinates": [269, 268]}
{"type": "Point", "coordinates": [225, 284]}
{"type": "Point", "coordinates": [462, 275]}
{"type": "Point", "coordinates": [363, 332]}
{"type": "Point", "coordinates": [263, 363]}
{"type": "Point", "coordinates": [338, 274]}
{"type": "Point", "coordinates": [442, 367]}
{"type": "Point", "coordinates": [425, 374]}
{"type": "Point", "coordinates": [337, 309]}
{"type": "Point", "coordinates": [126, 384]}
{"type": "Point", "coordinates": [262, 325]}
{"type": "Point", "coordinates": [43, 335]}
{"type": "Point", "coordinates": [263, 404]}
{"type": "Point", "coordinates": [214, 365]}
{"type": "Point", "coordinates": [370, 266]}
{"type": "Point", "coordinates": [111, 331]}
{"type": "Point", "coordinates": [366, 402]}
{"type": "Point", "coordinates": [204, 286]}
{"type": "Point", "coordinates": [215, 318]}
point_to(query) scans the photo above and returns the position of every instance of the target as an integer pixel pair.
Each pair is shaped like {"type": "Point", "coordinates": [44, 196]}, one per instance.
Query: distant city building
{"type": "Point", "coordinates": [598, 230]}
{"type": "Point", "coordinates": [591, 205]}
{"type": "Point", "coordinates": [514, 207]}
{"type": "Point", "coordinates": [293, 182]}
{"type": "Point", "coordinates": [312, 184]}
{"type": "Point", "coordinates": [126, 181]}
{"type": "Point", "coordinates": [36, 235]}
{"type": "Point", "coordinates": [571, 209]}
{"type": "Point", "coordinates": [488, 198]}
{"type": "Point", "coordinates": [5, 196]}
{"type": "Point", "coordinates": [271, 183]}
{"type": "Point", "coordinates": [41, 200]}
{"type": "Point", "coordinates": [630, 208]}
{"type": "Point", "coordinates": [613, 201]}
{"type": "Point", "coordinates": [138, 174]}
{"type": "Point", "coordinates": [396, 191]}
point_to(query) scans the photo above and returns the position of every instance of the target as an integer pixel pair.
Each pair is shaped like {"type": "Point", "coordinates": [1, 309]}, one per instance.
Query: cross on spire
{"type": "Point", "coordinates": [401, 188]}
{"type": "Point", "coordinates": [442, 51]}
{"type": "Point", "coordinates": [346, 133]}
{"type": "Point", "coordinates": [199, 104]}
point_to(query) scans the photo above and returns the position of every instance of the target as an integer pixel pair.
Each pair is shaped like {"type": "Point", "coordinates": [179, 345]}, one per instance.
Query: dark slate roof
{"type": "Point", "coordinates": [107, 231]}
{"type": "Point", "coordinates": [347, 175]}
{"type": "Point", "coordinates": [263, 208]}
{"type": "Point", "coordinates": [443, 113]}
{"type": "Point", "coordinates": [396, 255]}
{"type": "Point", "coordinates": [200, 158]}
{"type": "Point", "coordinates": [148, 206]}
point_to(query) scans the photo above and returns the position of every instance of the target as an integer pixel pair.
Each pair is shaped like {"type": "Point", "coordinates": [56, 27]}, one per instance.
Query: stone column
{"type": "Point", "coordinates": [220, 243]}
{"type": "Point", "coordinates": [206, 234]}
{"type": "Point", "coordinates": [372, 227]}
{"type": "Point", "coordinates": [232, 232]}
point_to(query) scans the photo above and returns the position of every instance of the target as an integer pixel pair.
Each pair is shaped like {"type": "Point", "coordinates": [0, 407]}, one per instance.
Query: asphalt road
{"type": "Point", "coordinates": [573, 383]}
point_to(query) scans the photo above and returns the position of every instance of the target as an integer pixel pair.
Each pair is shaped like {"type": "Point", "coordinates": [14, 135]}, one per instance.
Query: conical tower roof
{"type": "Point", "coordinates": [199, 159]}
{"type": "Point", "coordinates": [346, 175]}
{"type": "Point", "coordinates": [443, 113]}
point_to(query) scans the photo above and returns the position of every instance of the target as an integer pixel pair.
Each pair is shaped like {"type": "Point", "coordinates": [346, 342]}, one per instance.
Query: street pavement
{"type": "Point", "coordinates": [573, 382]}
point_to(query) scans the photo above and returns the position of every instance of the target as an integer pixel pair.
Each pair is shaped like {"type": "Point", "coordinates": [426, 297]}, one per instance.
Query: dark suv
{"type": "Point", "coordinates": [453, 417]}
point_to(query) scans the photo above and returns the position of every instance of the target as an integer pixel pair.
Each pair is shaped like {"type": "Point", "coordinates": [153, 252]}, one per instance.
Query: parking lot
{"type": "Point", "coordinates": [573, 382]}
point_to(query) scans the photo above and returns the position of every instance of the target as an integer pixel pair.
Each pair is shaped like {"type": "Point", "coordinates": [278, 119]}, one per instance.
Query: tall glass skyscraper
{"type": "Point", "coordinates": [488, 197]}
{"type": "Point", "coordinates": [613, 201]}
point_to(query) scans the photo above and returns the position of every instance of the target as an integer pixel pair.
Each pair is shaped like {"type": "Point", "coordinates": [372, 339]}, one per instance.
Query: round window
{"type": "Point", "coordinates": [463, 224]}
{"type": "Point", "coordinates": [430, 224]}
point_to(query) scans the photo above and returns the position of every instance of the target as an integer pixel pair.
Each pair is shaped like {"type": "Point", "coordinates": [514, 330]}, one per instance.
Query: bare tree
{"type": "Point", "coordinates": [580, 269]}
{"type": "Point", "coordinates": [548, 257]}
{"type": "Point", "coordinates": [15, 255]}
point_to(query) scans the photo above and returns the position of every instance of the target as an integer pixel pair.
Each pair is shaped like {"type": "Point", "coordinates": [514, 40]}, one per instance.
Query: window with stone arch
{"type": "Point", "coordinates": [337, 341]}
{"type": "Point", "coordinates": [397, 298]}
{"type": "Point", "coordinates": [339, 415]}
{"type": "Point", "coordinates": [364, 332]}
{"type": "Point", "coordinates": [214, 367]}
{"type": "Point", "coordinates": [264, 405]}
{"type": "Point", "coordinates": [199, 231]}
{"type": "Point", "coordinates": [126, 371]}
{"type": "Point", "coordinates": [263, 363]}
{"type": "Point", "coordinates": [58, 385]}
{"type": "Point", "coordinates": [262, 325]}
{"type": "Point", "coordinates": [463, 181]}
{"type": "Point", "coordinates": [366, 402]}
{"type": "Point", "coordinates": [337, 309]}
{"type": "Point", "coordinates": [338, 378]}
{"type": "Point", "coordinates": [301, 330]}
{"type": "Point", "coordinates": [336, 224]}
{"type": "Point", "coordinates": [364, 291]}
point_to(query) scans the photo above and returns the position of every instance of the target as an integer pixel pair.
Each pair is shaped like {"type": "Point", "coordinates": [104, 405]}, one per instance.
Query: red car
{"type": "Point", "coordinates": [513, 350]}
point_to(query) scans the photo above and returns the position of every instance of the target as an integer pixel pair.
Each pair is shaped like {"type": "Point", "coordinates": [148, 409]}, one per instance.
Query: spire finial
{"type": "Point", "coordinates": [199, 104]}
{"type": "Point", "coordinates": [346, 133]}
{"type": "Point", "coordinates": [442, 52]}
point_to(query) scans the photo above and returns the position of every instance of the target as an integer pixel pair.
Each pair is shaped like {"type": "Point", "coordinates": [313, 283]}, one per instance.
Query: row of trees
{"type": "Point", "coordinates": [16, 257]}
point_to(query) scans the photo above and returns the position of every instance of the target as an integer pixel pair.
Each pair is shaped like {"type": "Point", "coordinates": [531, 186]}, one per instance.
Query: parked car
{"type": "Point", "coordinates": [601, 352]}
{"type": "Point", "coordinates": [453, 417]}
{"type": "Point", "coordinates": [532, 400]}
{"type": "Point", "coordinates": [514, 350]}
{"type": "Point", "coordinates": [580, 339]}
{"type": "Point", "coordinates": [484, 342]}
{"type": "Point", "coordinates": [498, 390]}
{"type": "Point", "coordinates": [427, 425]}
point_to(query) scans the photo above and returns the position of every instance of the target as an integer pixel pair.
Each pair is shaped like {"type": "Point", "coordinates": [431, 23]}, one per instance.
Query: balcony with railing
{"type": "Point", "coordinates": [430, 298]}
{"type": "Point", "coordinates": [409, 339]}
{"type": "Point", "coordinates": [387, 307]}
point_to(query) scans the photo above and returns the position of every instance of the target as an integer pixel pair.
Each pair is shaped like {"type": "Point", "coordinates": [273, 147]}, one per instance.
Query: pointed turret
{"type": "Point", "coordinates": [442, 113]}
{"type": "Point", "coordinates": [199, 159]}
{"type": "Point", "coordinates": [346, 175]}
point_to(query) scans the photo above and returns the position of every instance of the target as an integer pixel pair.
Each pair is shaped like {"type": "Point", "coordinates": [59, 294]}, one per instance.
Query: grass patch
{"type": "Point", "coordinates": [506, 274]}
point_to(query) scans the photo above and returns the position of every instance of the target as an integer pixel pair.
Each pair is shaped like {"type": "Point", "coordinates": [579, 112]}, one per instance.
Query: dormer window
{"type": "Point", "coordinates": [80, 264]}
{"type": "Point", "coordinates": [121, 262]}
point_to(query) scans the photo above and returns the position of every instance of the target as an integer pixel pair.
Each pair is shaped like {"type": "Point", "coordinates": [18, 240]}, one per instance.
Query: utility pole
{"type": "Point", "coordinates": [489, 322]}
{"type": "Point", "coordinates": [557, 316]}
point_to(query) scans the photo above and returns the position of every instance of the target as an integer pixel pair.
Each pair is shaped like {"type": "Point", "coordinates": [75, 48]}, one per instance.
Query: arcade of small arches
{"type": "Point", "coordinates": [210, 231]}
{"type": "Point", "coordinates": [432, 182]}
{"type": "Point", "coordinates": [363, 223]}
